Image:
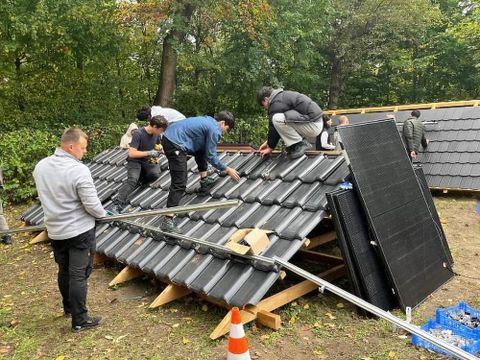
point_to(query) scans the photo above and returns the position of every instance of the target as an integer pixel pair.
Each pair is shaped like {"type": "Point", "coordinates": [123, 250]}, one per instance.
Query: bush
{"type": "Point", "coordinates": [20, 150]}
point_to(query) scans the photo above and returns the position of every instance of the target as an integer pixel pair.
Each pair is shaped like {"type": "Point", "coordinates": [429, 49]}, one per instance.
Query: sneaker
{"type": "Point", "coordinates": [7, 239]}
{"type": "Point", "coordinates": [91, 323]}
{"type": "Point", "coordinates": [292, 148]}
{"type": "Point", "coordinates": [168, 225]}
{"type": "Point", "coordinates": [206, 183]}
{"type": "Point", "coordinates": [300, 149]}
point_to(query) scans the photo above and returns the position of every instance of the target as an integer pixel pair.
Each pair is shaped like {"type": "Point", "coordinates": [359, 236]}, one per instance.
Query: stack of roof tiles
{"type": "Point", "coordinates": [452, 158]}
{"type": "Point", "coordinates": [285, 196]}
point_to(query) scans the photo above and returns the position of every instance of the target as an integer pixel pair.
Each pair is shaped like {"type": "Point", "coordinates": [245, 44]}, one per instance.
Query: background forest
{"type": "Point", "coordinates": [92, 63]}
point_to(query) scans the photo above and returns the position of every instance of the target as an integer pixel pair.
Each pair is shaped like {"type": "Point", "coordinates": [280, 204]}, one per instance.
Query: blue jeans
{"type": "Point", "coordinates": [137, 171]}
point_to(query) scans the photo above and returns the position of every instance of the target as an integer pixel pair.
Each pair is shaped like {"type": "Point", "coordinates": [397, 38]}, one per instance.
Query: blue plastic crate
{"type": "Point", "coordinates": [443, 317]}
{"type": "Point", "coordinates": [473, 348]}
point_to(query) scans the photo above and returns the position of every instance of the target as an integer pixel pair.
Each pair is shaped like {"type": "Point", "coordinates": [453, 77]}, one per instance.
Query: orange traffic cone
{"type": "Point", "coordinates": [237, 342]}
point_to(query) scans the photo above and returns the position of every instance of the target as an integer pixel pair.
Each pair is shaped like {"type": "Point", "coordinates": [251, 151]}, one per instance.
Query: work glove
{"type": "Point", "coordinates": [153, 153]}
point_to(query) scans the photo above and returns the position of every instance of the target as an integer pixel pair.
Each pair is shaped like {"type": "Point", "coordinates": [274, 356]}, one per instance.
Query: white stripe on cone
{"type": "Point", "coordinates": [236, 331]}
{"type": "Point", "coordinates": [244, 356]}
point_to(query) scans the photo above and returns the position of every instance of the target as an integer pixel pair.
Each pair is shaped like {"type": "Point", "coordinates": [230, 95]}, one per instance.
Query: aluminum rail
{"type": "Point", "coordinates": [132, 215]}
{"type": "Point", "coordinates": [191, 240]}
{"type": "Point", "coordinates": [461, 354]}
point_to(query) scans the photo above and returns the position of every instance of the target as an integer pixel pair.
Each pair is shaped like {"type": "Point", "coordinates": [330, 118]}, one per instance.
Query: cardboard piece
{"type": "Point", "coordinates": [249, 241]}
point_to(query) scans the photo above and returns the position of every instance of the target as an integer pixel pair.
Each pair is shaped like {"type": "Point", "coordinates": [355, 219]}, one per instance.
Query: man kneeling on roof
{"type": "Point", "coordinates": [292, 116]}
{"type": "Point", "coordinates": [142, 162]}
{"type": "Point", "coordinates": [197, 136]}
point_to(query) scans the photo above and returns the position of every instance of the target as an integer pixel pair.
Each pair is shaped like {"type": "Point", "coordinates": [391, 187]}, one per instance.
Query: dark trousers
{"type": "Point", "coordinates": [74, 257]}
{"type": "Point", "coordinates": [137, 171]}
{"type": "Point", "coordinates": [177, 164]}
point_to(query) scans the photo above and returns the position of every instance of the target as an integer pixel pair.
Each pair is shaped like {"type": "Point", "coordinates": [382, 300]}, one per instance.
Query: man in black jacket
{"type": "Point", "coordinates": [293, 117]}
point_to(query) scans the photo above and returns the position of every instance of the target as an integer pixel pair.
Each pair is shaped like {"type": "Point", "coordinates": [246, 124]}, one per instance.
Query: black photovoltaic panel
{"type": "Point", "coordinates": [365, 267]}
{"type": "Point", "coordinates": [433, 210]}
{"type": "Point", "coordinates": [409, 241]}
{"type": "Point", "coordinates": [347, 255]}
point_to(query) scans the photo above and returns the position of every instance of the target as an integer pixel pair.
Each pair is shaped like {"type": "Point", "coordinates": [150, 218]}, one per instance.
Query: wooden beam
{"type": "Point", "coordinates": [322, 239]}
{"type": "Point", "coordinates": [269, 319]}
{"type": "Point", "coordinates": [170, 293]}
{"type": "Point", "coordinates": [127, 273]}
{"type": "Point", "coordinates": [275, 301]}
{"type": "Point", "coordinates": [100, 259]}
{"type": "Point", "coordinates": [322, 257]}
{"type": "Point", "coordinates": [42, 237]}
{"type": "Point", "coordinates": [404, 107]}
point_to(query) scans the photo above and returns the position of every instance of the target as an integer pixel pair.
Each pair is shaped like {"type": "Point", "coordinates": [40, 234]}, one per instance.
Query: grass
{"type": "Point", "coordinates": [316, 326]}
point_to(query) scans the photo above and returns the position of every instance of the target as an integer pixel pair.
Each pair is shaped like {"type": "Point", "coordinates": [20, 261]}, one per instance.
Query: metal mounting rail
{"type": "Point", "coordinates": [461, 354]}
{"type": "Point", "coordinates": [132, 215]}
{"type": "Point", "coordinates": [191, 241]}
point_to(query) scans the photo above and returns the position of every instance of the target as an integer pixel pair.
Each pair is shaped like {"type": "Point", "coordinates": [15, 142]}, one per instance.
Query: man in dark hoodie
{"type": "Point", "coordinates": [293, 117]}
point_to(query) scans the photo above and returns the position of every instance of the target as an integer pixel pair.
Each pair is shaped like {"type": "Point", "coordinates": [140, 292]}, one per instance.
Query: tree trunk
{"type": "Point", "coordinates": [20, 100]}
{"type": "Point", "coordinates": [168, 68]}
{"type": "Point", "coordinates": [336, 77]}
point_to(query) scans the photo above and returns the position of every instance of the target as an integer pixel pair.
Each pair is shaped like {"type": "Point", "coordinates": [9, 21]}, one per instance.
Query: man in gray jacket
{"type": "Point", "coordinates": [70, 206]}
{"type": "Point", "coordinates": [413, 132]}
{"type": "Point", "coordinates": [293, 117]}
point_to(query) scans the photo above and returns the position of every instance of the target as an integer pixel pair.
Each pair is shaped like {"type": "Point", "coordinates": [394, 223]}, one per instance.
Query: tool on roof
{"type": "Point", "coordinates": [133, 215]}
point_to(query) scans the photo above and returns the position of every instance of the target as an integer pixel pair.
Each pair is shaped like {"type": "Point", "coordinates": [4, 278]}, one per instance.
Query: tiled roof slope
{"type": "Point", "coordinates": [452, 159]}
{"type": "Point", "coordinates": [277, 194]}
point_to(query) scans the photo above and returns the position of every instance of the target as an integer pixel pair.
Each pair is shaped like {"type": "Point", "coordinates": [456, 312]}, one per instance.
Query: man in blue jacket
{"type": "Point", "coordinates": [293, 117]}
{"type": "Point", "coordinates": [70, 206]}
{"type": "Point", "coordinates": [197, 136]}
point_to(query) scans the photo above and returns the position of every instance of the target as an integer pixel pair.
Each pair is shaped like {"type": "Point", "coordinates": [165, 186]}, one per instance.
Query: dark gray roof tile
{"type": "Point", "coordinates": [215, 272]}
{"type": "Point", "coordinates": [279, 193]}
{"type": "Point", "coordinates": [262, 190]}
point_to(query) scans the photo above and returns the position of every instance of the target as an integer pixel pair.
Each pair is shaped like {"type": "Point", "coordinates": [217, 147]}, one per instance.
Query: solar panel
{"type": "Point", "coordinates": [365, 267]}
{"type": "Point", "coordinates": [408, 239]}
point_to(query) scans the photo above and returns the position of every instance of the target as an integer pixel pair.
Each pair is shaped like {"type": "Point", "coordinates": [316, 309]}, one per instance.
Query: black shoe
{"type": "Point", "coordinates": [91, 323]}
{"type": "Point", "coordinates": [292, 148]}
{"type": "Point", "coordinates": [7, 239]}
{"type": "Point", "coordinates": [168, 225]}
{"type": "Point", "coordinates": [300, 149]}
{"type": "Point", "coordinates": [206, 183]}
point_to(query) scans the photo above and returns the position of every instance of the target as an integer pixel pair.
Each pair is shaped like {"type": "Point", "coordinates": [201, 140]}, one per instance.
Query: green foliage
{"type": "Point", "coordinates": [21, 150]}
{"type": "Point", "coordinates": [65, 62]}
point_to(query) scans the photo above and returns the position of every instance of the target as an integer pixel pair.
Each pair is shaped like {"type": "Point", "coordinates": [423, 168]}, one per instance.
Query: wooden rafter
{"type": "Point", "coordinates": [100, 259]}
{"type": "Point", "coordinates": [250, 312]}
{"type": "Point", "coordinates": [42, 237]}
{"type": "Point", "coordinates": [321, 239]}
{"type": "Point", "coordinates": [127, 273]}
{"type": "Point", "coordinates": [322, 257]}
{"type": "Point", "coordinates": [405, 107]}
{"type": "Point", "coordinates": [170, 293]}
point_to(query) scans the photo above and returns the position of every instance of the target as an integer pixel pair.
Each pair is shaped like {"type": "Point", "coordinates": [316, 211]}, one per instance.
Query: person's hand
{"type": "Point", "coordinates": [265, 151]}
{"type": "Point", "coordinates": [153, 153]}
{"type": "Point", "coordinates": [232, 173]}
{"type": "Point", "coordinates": [413, 155]}
{"type": "Point", "coordinates": [263, 146]}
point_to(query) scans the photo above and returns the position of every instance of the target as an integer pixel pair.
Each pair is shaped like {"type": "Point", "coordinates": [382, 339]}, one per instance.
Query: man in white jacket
{"type": "Point", "coordinates": [70, 205]}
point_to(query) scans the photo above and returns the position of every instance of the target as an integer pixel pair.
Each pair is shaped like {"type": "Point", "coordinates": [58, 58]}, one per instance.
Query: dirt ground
{"type": "Point", "coordinates": [314, 327]}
